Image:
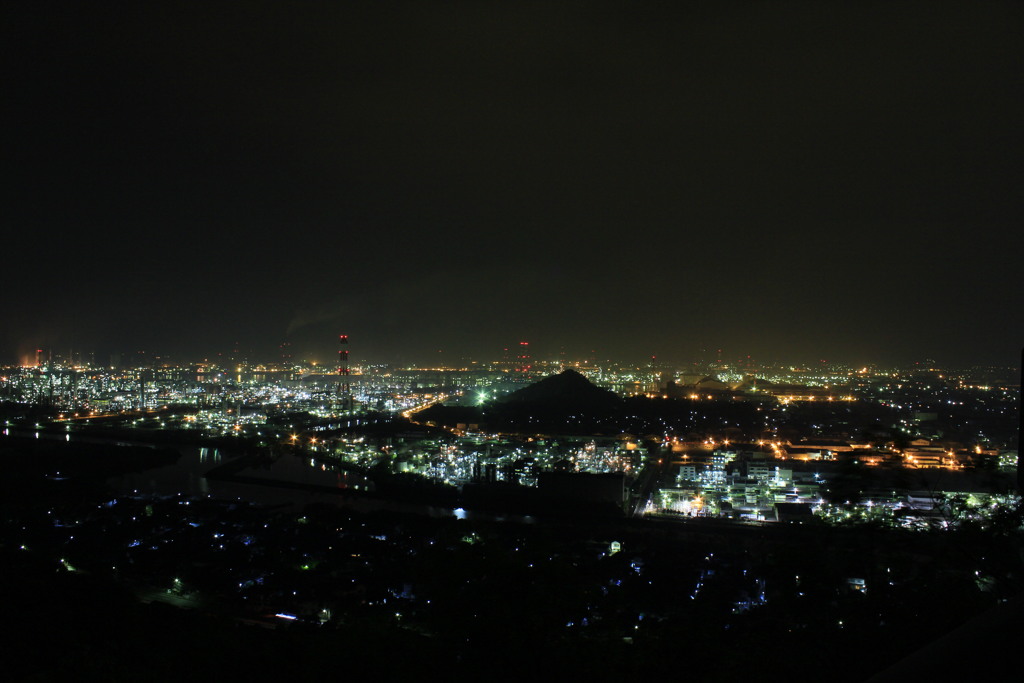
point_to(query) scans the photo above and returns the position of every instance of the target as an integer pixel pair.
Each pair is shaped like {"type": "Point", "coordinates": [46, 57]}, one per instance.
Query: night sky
{"type": "Point", "coordinates": [795, 182]}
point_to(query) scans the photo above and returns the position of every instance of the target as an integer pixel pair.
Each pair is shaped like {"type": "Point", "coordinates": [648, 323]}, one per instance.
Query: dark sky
{"type": "Point", "coordinates": [791, 181]}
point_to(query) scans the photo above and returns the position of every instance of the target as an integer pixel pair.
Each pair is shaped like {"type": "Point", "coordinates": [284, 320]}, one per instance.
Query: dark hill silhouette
{"type": "Point", "coordinates": [568, 388]}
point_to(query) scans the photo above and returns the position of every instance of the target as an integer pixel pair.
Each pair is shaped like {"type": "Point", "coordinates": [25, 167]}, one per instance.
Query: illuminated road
{"type": "Point", "coordinates": [650, 475]}
{"type": "Point", "coordinates": [123, 414]}
{"type": "Point", "coordinates": [407, 414]}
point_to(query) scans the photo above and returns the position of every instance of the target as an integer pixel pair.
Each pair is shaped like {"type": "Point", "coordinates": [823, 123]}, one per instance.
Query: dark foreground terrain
{"type": "Point", "coordinates": [97, 587]}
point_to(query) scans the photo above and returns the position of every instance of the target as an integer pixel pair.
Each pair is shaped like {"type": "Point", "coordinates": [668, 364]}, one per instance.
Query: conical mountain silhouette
{"type": "Point", "coordinates": [568, 388]}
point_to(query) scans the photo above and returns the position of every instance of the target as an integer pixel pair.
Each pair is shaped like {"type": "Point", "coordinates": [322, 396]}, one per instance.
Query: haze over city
{"type": "Point", "coordinates": [787, 181]}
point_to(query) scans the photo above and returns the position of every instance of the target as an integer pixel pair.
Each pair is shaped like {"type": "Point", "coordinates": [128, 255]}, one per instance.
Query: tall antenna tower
{"type": "Point", "coordinates": [523, 361]}
{"type": "Point", "coordinates": [344, 386]}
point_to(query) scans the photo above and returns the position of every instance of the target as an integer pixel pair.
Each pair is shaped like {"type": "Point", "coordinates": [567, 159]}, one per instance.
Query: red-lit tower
{"type": "Point", "coordinates": [523, 359]}
{"type": "Point", "coordinates": [344, 385]}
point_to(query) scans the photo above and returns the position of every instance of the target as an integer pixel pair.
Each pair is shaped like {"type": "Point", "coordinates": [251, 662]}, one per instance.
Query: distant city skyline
{"type": "Point", "coordinates": [538, 360]}
{"type": "Point", "coordinates": [321, 351]}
